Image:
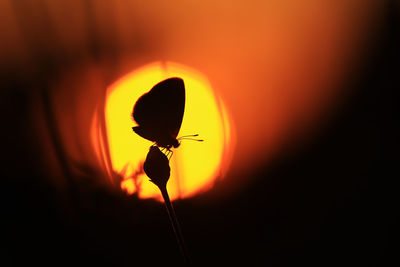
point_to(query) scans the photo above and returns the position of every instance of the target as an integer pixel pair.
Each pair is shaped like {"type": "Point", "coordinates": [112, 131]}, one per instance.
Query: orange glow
{"type": "Point", "coordinates": [279, 66]}
{"type": "Point", "coordinates": [194, 165]}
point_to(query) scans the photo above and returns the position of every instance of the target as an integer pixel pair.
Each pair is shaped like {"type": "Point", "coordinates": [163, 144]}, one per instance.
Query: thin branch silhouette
{"type": "Point", "coordinates": [157, 169]}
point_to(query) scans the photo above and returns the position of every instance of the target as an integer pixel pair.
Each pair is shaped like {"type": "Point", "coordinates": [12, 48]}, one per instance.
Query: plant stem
{"type": "Point", "coordinates": [175, 225]}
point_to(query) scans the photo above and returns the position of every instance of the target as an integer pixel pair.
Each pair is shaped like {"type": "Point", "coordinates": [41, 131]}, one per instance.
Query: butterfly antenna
{"type": "Point", "coordinates": [200, 140]}
{"type": "Point", "coordinates": [190, 135]}
{"type": "Point", "coordinates": [187, 137]}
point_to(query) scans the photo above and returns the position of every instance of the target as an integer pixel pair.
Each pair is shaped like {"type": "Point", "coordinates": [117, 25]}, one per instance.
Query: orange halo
{"type": "Point", "coordinates": [195, 165]}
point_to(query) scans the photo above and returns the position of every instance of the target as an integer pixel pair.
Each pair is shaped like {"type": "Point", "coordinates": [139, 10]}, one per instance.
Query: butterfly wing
{"type": "Point", "coordinates": [159, 112]}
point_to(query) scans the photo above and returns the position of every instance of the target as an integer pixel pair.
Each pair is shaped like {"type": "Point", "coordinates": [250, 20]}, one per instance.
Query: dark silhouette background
{"type": "Point", "coordinates": [330, 201]}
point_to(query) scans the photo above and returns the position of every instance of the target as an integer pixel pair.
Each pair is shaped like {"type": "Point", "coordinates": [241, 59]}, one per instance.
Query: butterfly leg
{"type": "Point", "coordinates": [165, 151]}
{"type": "Point", "coordinates": [169, 154]}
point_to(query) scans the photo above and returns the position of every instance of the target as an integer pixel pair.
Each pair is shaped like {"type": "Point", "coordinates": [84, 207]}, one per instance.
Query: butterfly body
{"type": "Point", "coordinates": [162, 140]}
{"type": "Point", "coordinates": [159, 113]}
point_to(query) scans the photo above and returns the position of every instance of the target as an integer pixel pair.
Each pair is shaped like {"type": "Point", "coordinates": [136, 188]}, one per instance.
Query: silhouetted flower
{"type": "Point", "coordinates": [157, 167]}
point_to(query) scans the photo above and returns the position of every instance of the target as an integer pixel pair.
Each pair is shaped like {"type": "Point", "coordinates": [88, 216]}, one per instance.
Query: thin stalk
{"type": "Point", "coordinates": [175, 226]}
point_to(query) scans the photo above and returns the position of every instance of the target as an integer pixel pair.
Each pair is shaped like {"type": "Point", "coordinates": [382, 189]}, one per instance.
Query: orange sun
{"type": "Point", "coordinates": [194, 165]}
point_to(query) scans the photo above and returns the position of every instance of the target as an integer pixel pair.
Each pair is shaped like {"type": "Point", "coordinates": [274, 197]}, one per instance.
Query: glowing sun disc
{"type": "Point", "coordinates": [195, 165]}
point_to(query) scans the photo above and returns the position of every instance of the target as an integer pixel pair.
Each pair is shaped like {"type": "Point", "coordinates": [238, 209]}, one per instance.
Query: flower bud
{"type": "Point", "coordinates": [157, 167]}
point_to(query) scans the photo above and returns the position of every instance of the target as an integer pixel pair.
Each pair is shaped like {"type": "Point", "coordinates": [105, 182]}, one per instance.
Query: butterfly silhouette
{"type": "Point", "coordinates": [159, 113]}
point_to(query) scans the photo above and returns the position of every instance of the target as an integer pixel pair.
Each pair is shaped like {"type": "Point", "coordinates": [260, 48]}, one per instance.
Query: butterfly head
{"type": "Point", "coordinates": [176, 143]}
